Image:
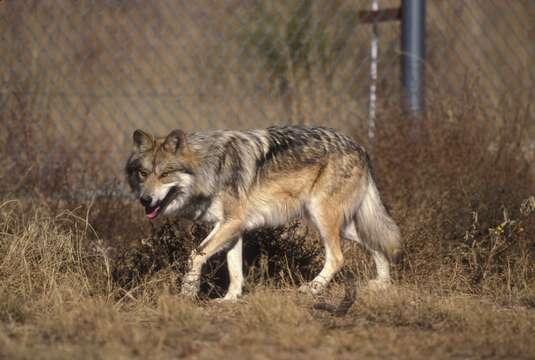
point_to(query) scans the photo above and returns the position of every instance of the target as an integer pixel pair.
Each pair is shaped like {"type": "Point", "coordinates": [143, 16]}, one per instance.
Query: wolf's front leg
{"type": "Point", "coordinates": [220, 236]}
{"type": "Point", "coordinates": [235, 271]}
{"type": "Point", "coordinates": [192, 279]}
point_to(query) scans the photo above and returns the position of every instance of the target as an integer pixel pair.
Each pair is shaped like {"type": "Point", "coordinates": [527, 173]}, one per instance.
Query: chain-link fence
{"type": "Point", "coordinates": [86, 73]}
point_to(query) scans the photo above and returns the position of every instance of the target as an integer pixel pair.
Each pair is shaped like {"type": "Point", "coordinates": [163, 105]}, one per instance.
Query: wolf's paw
{"type": "Point", "coordinates": [189, 290]}
{"type": "Point", "coordinates": [378, 284]}
{"type": "Point", "coordinates": [228, 298]}
{"type": "Point", "coordinates": [231, 297]}
{"type": "Point", "coordinates": [312, 288]}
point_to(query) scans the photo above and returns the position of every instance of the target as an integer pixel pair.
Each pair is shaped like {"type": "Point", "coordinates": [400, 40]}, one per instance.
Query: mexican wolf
{"type": "Point", "coordinates": [243, 180]}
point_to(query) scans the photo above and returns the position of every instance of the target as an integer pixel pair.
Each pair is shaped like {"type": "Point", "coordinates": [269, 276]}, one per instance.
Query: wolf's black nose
{"type": "Point", "coordinates": [145, 200]}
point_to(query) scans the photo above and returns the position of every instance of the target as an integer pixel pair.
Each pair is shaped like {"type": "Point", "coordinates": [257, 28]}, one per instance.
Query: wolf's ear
{"type": "Point", "coordinates": [142, 140]}
{"type": "Point", "coordinates": [176, 140]}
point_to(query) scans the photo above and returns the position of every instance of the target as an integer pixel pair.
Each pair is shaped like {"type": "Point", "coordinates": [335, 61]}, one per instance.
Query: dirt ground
{"type": "Point", "coordinates": [268, 323]}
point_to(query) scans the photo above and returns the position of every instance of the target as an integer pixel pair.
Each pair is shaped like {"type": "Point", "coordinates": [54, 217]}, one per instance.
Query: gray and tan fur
{"type": "Point", "coordinates": [242, 180]}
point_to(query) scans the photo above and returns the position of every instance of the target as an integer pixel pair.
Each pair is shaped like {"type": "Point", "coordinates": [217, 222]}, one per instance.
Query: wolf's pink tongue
{"type": "Point", "coordinates": [153, 214]}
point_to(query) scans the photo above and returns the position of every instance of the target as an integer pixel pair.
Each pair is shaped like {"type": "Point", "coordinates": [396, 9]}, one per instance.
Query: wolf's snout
{"type": "Point", "coordinates": [145, 200]}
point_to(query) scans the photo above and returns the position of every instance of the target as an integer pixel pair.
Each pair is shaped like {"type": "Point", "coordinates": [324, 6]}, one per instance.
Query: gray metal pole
{"type": "Point", "coordinates": [413, 52]}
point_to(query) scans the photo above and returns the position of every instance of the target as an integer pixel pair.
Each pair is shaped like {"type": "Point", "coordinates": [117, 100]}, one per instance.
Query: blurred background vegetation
{"type": "Point", "coordinates": [87, 73]}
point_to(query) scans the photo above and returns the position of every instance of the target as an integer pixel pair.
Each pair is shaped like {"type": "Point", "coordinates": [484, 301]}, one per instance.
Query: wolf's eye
{"type": "Point", "coordinates": [142, 173]}
{"type": "Point", "coordinates": [166, 173]}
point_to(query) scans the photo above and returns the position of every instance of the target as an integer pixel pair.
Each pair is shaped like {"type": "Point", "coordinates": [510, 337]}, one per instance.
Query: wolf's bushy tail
{"type": "Point", "coordinates": [375, 226]}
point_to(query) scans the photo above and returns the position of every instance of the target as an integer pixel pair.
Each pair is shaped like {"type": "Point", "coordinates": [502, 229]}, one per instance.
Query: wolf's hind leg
{"type": "Point", "coordinates": [350, 232]}
{"type": "Point", "coordinates": [235, 270]}
{"type": "Point", "coordinates": [382, 264]}
{"type": "Point", "coordinates": [328, 222]}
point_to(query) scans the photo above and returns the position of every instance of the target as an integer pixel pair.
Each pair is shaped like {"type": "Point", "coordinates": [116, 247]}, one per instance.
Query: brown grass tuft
{"type": "Point", "coordinates": [456, 182]}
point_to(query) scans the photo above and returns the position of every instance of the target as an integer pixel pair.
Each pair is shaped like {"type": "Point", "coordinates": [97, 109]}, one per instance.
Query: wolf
{"type": "Point", "coordinates": [243, 180]}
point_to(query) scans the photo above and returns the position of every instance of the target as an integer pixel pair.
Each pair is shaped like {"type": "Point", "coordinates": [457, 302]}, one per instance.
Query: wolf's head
{"type": "Point", "coordinates": [161, 172]}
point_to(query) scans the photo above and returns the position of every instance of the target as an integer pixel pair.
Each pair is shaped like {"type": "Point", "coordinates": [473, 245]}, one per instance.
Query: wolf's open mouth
{"type": "Point", "coordinates": [153, 211]}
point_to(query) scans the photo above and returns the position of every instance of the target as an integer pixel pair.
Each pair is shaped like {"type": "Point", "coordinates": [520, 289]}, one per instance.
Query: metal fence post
{"type": "Point", "coordinates": [373, 71]}
{"type": "Point", "coordinates": [413, 52]}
